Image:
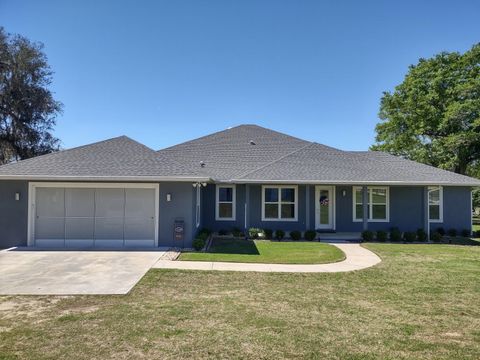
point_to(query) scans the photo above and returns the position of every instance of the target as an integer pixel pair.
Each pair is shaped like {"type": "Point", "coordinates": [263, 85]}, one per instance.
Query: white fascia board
{"type": "Point", "coordinates": [105, 178]}
{"type": "Point", "coordinates": [343, 182]}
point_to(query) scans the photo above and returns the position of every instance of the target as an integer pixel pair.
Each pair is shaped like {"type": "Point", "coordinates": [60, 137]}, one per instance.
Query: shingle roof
{"type": "Point", "coordinates": [229, 154]}
{"type": "Point", "coordinates": [120, 157]}
{"type": "Point", "coordinates": [246, 153]}
{"type": "Point", "coordinates": [276, 157]}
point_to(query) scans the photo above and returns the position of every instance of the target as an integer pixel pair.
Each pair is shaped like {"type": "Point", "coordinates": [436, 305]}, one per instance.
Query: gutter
{"type": "Point", "coordinates": [107, 178]}
{"type": "Point", "coordinates": [349, 182]}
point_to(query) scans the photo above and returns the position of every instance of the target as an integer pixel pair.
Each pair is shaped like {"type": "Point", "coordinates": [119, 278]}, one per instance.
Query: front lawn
{"type": "Point", "coordinates": [265, 251]}
{"type": "Point", "coordinates": [420, 302]}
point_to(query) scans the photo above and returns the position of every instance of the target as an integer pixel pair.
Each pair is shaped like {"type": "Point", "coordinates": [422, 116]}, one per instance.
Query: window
{"type": "Point", "coordinates": [279, 203]}
{"type": "Point", "coordinates": [225, 202]}
{"type": "Point", "coordinates": [378, 204]}
{"type": "Point", "coordinates": [435, 204]}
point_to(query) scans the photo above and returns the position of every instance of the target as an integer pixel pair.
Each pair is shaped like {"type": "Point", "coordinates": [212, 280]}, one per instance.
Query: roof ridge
{"type": "Point", "coordinates": [276, 160]}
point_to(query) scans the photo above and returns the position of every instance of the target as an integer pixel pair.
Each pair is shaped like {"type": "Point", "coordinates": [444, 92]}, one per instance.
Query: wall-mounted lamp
{"type": "Point", "coordinates": [17, 196]}
{"type": "Point", "coordinates": [169, 197]}
{"type": "Point", "coordinates": [344, 193]}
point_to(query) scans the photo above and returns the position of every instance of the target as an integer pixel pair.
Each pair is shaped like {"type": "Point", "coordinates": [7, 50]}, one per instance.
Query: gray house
{"type": "Point", "coordinates": [119, 193]}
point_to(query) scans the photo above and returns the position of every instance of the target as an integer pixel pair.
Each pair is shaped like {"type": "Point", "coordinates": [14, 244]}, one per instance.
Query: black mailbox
{"type": "Point", "coordinates": [178, 230]}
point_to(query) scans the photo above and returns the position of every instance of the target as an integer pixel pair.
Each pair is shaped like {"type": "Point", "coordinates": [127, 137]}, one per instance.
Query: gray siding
{"type": "Point", "coordinates": [208, 209]}
{"type": "Point", "coordinates": [13, 214]}
{"type": "Point", "coordinates": [457, 212]}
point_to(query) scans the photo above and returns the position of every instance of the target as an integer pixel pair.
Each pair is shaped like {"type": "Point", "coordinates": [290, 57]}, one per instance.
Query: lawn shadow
{"type": "Point", "coordinates": [233, 246]}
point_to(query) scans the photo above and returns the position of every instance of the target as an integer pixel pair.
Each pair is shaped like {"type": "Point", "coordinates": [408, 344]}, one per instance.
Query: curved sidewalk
{"type": "Point", "coordinates": [357, 258]}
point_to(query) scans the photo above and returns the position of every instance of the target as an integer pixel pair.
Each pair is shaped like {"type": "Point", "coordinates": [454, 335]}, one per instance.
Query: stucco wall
{"type": "Point", "coordinates": [13, 214]}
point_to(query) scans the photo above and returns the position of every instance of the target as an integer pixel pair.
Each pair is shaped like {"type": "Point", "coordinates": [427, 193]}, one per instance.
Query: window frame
{"type": "Point", "coordinates": [440, 200]}
{"type": "Point", "coordinates": [218, 202]}
{"type": "Point", "coordinates": [370, 203]}
{"type": "Point", "coordinates": [280, 202]}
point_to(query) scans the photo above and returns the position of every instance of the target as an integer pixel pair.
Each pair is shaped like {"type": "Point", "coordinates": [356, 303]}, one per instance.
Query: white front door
{"type": "Point", "coordinates": [324, 207]}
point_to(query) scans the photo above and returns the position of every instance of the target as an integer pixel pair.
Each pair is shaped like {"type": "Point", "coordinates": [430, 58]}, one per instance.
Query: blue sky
{"type": "Point", "coordinates": [163, 72]}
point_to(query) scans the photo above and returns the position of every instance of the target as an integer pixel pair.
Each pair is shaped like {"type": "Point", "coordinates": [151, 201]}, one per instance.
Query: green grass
{"type": "Point", "coordinates": [265, 251]}
{"type": "Point", "coordinates": [420, 302]}
{"type": "Point", "coordinates": [476, 227]}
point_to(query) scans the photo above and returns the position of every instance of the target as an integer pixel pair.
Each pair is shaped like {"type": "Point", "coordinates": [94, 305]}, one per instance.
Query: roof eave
{"type": "Point", "coordinates": [348, 182]}
{"type": "Point", "coordinates": [107, 178]}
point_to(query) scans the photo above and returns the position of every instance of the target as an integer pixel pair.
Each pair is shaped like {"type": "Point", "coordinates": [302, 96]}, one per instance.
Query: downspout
{"type": "Point", "coordinates": [426, 212]}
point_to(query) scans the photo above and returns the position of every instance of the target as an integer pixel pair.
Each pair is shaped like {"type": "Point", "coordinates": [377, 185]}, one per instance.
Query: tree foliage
{"type": "Point", "coordinates": [27, 107]}
{"type": "Point", "coordinates": [433, 116]}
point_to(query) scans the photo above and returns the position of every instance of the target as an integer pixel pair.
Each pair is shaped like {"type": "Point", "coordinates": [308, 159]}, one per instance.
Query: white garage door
{"type": "Point", "coordinates": [102, 217]}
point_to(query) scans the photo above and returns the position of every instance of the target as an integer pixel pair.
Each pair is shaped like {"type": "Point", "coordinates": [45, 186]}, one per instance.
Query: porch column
{"type": "Point", "coordinates": [365, 207]}
{"type": "Point", "coordinates": [426, 210]}
{"type": "Point", "coordinates": [307, 207]}
{"type": "Point", "coordinates": [247, 208]}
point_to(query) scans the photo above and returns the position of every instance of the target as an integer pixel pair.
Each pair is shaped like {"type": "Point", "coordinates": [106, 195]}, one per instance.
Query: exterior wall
{"type": "Point", "coordinates": [407, 209]}
{"type": "Point", "coordinates": [457, 211]}
{"type": "Point", "coordinates": [13, 214]}
{"type": "Point", "coordinates": [181, 206]}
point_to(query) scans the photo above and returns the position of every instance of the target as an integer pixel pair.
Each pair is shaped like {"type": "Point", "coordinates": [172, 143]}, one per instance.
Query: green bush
{"type": "Point", "coordinates": [409, 236]}
{"type": "Point", "coordinates": [205, 231]}
{"type": "Point", "coordinates": [421, 235]}
{"type": "Point", "coordinates": [367, 235]}
{"type": "Point", "coordinates": [295, 235]}
{"type": "Point", "coordinates": [452, 232]}
{"type": "Point", "coordinates": [310, 235]}
{"type": "Point", "coordinates": [268, 233]}
{"type": "Point", "coordinates": [441, 231]}
{"type": "Point", "coordinates": [198, 244]}
{"type": "Point", "coordinates": [254, 233]}
{"type": "Point", "coordinates": [466, 233]}
{"type": "Point", "coordinates": [436, 236]}
{"type": "Point", "coordinates": [237, 232]}
{"type": "Point", "coordinates": [202, 236]}
{"type": "Point", "coordinates": [395, 235]}
{"type": "Point", "coordinates": [382, 236]}
{"type": "Point", "coordinates": [279, 234]}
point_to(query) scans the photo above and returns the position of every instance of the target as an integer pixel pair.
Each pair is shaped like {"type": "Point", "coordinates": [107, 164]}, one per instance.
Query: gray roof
{"type": "Point", "coordinates": [243, 154]}
{"type": "Point", "coordinates": [119, 158]}
{"type": "Point", "coordinates": [278, 158]}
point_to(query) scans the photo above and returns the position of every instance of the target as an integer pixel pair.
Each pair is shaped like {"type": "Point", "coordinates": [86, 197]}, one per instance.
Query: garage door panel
{"type": "Point", "coordinates": [79, 243]}
{"type": "Point", "coordinates": [110, 243]}
{"type": "Point", "coordinates": [109, 228]}
{"type": "Point", "coordinates": [139, 202]}
{"type": "Point", "coordinates": [79, 202]}
{"type": "Point", "coordinates": [79, 228]}
{"type": "Point", "coordinates": [109, 203]}
{"type": "Point", "coordinates": [50, 202]}
{"type": "Point", "coordinates": [139, 243]}
{"type": "Point", "coordinates": [50, 243]}
{"type": "Point", "coordinates": [139, 229]}
{"type": "Point", "coordinates": [50, 228]}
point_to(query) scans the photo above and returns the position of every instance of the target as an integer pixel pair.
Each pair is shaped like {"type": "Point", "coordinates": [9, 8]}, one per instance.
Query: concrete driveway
{"type": "Point", "coordinates": [73, 272]}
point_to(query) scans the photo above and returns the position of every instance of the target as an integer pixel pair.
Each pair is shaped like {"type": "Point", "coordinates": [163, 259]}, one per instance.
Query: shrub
{"type": "Point", "coordinates": [237, 232]}
{"type": "Point", "coordinates": [202, 236]}
{"type": "Point", "coordinates": [466, 233]}
{"type": "Point", "coordinates": [254, 233]}
{"type": "Point", "coordinates": [279, 234]}
{"type": "Point", "coordinates": [222, 232]}
{"type": "Point", "coordinates": [421, 235]}
{"type": "Point", "coordinates": [452, 232]}
{"type": "Point", "coordinates": [205, 231]}
{"type": "Point", "coordinates": [198, 244]}
{"type": "Point", "coordinates": [367, 235]}
{"type": "Point", "coordinates": [310, 235]}
{"type": "Point", "coordinates": [268, 233]}
{"type": "Point", "coordinates": [295, 235]}
{"type": "Point", "coordinates": [436, 236]}
{"type": "Point", "coordinates": [409, 236]}
{"type": "Point", "coordinates": [441, 231]}
{"type": "Point", "coordinates": [381, 236]}
{"type": "Point", "coordinates": [395, 234]}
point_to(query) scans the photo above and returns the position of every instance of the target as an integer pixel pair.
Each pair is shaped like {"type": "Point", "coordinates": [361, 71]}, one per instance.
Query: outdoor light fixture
{"type": "Point", "coordinates": [169, 197]}
{"type": "Point", "coordinates": [17, 196]}
{"type": "Point", "coordinates": [344, 193]}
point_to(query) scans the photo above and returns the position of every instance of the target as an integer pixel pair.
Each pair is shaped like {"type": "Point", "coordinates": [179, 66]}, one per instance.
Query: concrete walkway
{"type": "Point", "coordinates": [357, 258]}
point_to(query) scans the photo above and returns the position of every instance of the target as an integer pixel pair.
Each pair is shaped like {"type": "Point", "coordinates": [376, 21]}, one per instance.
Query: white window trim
{"type": "Point", "coordinates": [440, 188]}
{"type": "Point", "coordinates": [279, 218]}
{"type": "Point", "coordinates": [234, 202]}
{"type": "Point", "coordinates": [370, 220]}
{"type": "Point", "coordinates": [32, 186]}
